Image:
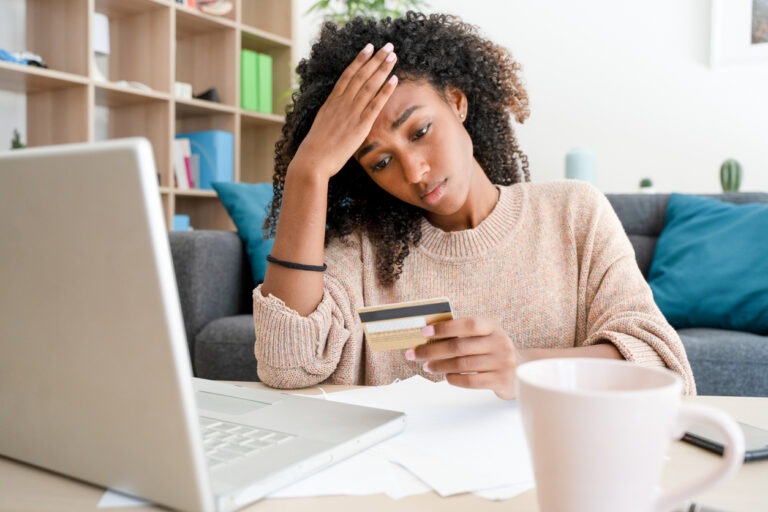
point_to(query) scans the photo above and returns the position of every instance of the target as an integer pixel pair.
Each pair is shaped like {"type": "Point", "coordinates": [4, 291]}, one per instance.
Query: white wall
{"type": "Point", "coordinates": [629, 80]}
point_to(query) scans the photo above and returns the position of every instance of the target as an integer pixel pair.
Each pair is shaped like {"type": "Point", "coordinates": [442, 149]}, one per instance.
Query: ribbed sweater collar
{"type": "Point", "coordinates": [478, 241]}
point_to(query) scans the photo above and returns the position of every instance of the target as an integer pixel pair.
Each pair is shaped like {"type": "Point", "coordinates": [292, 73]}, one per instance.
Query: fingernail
{"type": "Point", "coordinates": [390, 57]}
{"type": "Point", "coordinates": [425, 367]}
{"type": "Point", "coordinates": [368, 48]}
{"type": "Point", "coordinates": [388, 47]}
{"type": "Point", "coordinates": [428, 330]}
{"type": "Point", "coordinates": [393, 79]}
{"type": "Point", "coordinates": [410, 354]}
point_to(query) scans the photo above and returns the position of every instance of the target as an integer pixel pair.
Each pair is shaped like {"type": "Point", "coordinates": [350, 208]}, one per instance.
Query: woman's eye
{"type": "Point", "coordinates": [422, 132]}
{"type": "Point", "coordinates": [381, 164]}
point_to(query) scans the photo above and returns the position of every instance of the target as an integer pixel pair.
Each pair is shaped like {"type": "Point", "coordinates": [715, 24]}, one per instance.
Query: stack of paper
{"type": "Point", "coordinates": [456, 441]}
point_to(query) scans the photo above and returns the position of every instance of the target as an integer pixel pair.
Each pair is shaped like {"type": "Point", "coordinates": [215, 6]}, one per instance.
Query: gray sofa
{"type": "Point", "coordinates": [215, 288]}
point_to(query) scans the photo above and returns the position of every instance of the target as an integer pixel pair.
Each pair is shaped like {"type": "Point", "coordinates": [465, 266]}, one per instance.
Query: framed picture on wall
{"type": "Point", "coordinates": [739, 32]}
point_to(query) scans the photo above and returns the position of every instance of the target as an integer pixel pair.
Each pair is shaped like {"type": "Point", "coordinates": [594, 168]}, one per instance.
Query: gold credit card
{"type": "Point", "coordinates": [398, 326]}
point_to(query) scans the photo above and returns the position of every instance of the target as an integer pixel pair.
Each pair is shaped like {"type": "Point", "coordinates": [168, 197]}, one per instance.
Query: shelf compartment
{"type": "Point", "coordinates": [192, 120]}
{"type": "Point", "coordinates": [140, 42]}
{"type": "Point", "coordinates": [54, 116]}
{"type": "Point", "coordinates": [282, 86]}
{"type": "Point", "coordinates": [135, 115]}
{"type": "Point", "coordinates": [50, 25]}
{"type": "Point", "coordinates": [206, 56]}
{"type": "Point", "coordinates": [273, 17]}
{"type": "Point", "coordinates": [205, 212]}
{"type": "Point", "coordinates": [257, 149]}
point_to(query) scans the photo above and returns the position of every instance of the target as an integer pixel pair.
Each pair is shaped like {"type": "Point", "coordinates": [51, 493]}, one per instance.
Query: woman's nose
{"type": "Point", "coordinates": [414, 169]}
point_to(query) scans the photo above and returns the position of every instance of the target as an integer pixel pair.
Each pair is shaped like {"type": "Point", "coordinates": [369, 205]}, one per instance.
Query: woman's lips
{"type": "Point", "coordinates": [434, 194]}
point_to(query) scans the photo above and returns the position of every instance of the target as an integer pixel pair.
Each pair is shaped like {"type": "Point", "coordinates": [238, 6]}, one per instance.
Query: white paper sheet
{"type": "Point", "coordinates": [456, 440]}
{"type": "Point", "coordinates": [367, 473]}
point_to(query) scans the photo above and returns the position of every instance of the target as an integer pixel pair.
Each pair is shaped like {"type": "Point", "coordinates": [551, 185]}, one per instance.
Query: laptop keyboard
{"type": "Point", "coordinates": [225, 442]}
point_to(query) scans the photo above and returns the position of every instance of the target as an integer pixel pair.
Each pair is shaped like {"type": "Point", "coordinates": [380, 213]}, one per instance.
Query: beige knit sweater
{"type": "Point", "coordinates": [551, 264]}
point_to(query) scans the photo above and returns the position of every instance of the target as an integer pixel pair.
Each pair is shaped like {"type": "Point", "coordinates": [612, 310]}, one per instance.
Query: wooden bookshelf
{"type": "Point", "coordinates": [156, 43]}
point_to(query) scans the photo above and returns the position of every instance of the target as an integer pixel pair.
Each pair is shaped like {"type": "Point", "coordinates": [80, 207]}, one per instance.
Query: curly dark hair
{"type": "Point", "coordinates": [440, 50]}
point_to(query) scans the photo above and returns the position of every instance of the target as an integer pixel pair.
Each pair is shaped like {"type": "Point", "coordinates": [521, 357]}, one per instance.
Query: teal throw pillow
{"type": "Point", "coordinates": [710, 268]}
{"type": "Point", "coordinates": [248, 205]}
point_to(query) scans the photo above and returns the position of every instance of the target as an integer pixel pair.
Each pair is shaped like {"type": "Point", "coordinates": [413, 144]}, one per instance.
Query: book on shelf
{"type": "Point", "coordinates": [181, 164]}
{"type": "Point", "coordinates": [215, 151]}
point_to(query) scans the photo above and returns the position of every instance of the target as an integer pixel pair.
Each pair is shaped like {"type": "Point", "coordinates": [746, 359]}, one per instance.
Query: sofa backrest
{"type": "Point", "coordinates": [642, 216]}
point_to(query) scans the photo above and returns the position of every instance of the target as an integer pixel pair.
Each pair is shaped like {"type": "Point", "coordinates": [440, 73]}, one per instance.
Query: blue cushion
{"type": "Point", "coordinates": [710, 268]}
{"type": "Point", "coordinates": [248, 205]}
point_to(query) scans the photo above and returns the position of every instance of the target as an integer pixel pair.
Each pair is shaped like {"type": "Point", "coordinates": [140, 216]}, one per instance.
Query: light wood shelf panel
{"type": "Point", "coordinates": [113, 95]}
{"type": "Point", "coordinates": [274, 17]}
{"type": "Point", "coordinates": [30, 79]}
{"type": "Point", "coordinates": [261, 39]}
{"type": "Point", "coordinates": [58, 114]}
{"type": "Point", "coordinates": [230, 17]}
{"type": "Point", "coordinates": [58, 30]}
{"type": "Point", "coordinates": [195, 107]}
{"type": "Point", "coordinates": [117, 9]}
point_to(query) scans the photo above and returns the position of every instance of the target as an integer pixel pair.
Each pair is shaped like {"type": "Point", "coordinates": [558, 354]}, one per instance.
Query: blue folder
{"type": "Point", "coordinates": [215, 149]}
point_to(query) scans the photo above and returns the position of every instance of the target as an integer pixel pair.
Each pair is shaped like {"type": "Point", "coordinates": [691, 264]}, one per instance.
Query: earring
{"type": "Point", "coordinates": [461, 115]}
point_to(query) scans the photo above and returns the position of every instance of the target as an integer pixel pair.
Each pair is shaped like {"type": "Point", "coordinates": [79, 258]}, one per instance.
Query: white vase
{"type": "Point", "coordinates": [581, 164]}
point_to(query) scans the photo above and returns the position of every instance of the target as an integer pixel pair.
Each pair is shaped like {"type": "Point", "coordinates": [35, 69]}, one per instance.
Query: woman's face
{"type": "Point", "coordinates": [419, 151]}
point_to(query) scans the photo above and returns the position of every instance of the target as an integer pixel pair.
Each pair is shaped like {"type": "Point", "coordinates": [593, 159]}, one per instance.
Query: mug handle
{"type": "Point", "coordinates": [732, 459]}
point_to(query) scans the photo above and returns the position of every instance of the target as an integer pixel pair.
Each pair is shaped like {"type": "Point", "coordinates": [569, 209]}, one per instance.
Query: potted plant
{"type": "Point", "coordinates": [16, 141]}
{"type": "Point", "coordinates": [730, 175]}
{"type": "Point", "coordinates": [646, 186]}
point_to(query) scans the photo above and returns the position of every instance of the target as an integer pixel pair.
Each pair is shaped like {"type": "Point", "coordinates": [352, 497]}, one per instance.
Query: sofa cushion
{"type": "Point", "coordinates": [710, 267]}
{"type": "Point", "coordinates": [224, 349]}
{"type": "Point", "coordinates": [247, 204]}
{"type": "Point", "coordinates": [729, 363]}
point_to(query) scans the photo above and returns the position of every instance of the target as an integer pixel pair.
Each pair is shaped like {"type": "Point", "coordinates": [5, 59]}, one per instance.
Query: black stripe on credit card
{"type": "Point", "coordinates": [420, 310]}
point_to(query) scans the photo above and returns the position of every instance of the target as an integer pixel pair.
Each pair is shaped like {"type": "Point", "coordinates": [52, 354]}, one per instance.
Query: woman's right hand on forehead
{"type": "Point", "coordinates": [346, 117]}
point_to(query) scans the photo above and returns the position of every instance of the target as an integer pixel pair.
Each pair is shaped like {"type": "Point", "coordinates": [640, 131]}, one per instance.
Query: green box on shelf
{"type": "Point", "coordinates": [249, 64]}
{"type": "Point", "coordinates": [265, 83]}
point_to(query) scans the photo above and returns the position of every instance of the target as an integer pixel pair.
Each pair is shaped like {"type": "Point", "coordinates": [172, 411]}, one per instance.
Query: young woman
{"type": "Point", "coordinates": [399, 169]}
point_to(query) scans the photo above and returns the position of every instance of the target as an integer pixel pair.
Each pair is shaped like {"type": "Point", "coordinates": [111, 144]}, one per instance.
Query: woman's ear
{"type": "Point", "coordinates": [457, 100]}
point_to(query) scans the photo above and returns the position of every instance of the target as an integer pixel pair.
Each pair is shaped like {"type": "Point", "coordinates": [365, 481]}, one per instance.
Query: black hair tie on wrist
{"type": "Point", "coordinates": [296, 266]}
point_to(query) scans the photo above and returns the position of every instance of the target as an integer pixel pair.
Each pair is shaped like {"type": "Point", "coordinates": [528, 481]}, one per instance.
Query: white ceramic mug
{"type": "Point", "coordinates": [598, 431]}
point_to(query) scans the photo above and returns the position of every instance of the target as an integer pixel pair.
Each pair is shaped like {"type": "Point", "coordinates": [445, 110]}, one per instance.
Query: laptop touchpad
{"type": "Point", "coordinates": [226, 404]}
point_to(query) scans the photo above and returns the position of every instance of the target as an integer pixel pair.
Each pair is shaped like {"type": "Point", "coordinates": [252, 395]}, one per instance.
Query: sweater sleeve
{"type": "Point", "coordinates": [619, 303]}
{"type": "Point", "coordinates": [294, 351]}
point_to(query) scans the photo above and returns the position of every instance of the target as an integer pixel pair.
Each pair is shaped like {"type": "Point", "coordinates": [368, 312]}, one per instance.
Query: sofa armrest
{"type": "Point", "coordinates": [213, 277]}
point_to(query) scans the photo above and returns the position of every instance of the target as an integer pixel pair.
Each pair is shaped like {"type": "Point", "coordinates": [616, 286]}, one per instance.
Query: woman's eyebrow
{"type": "Point", "coordinates": [404, 116]}
{"type": "Point", "coordinates": [395, 125]}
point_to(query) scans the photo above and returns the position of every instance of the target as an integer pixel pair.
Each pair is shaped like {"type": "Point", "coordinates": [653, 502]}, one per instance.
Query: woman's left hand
{"type": "Point", "coordinates": [472, 353]}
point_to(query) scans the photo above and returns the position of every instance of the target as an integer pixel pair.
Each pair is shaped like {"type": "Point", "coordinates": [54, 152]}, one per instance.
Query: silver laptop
{"type": "Point", "coordinates": [95, 376]}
